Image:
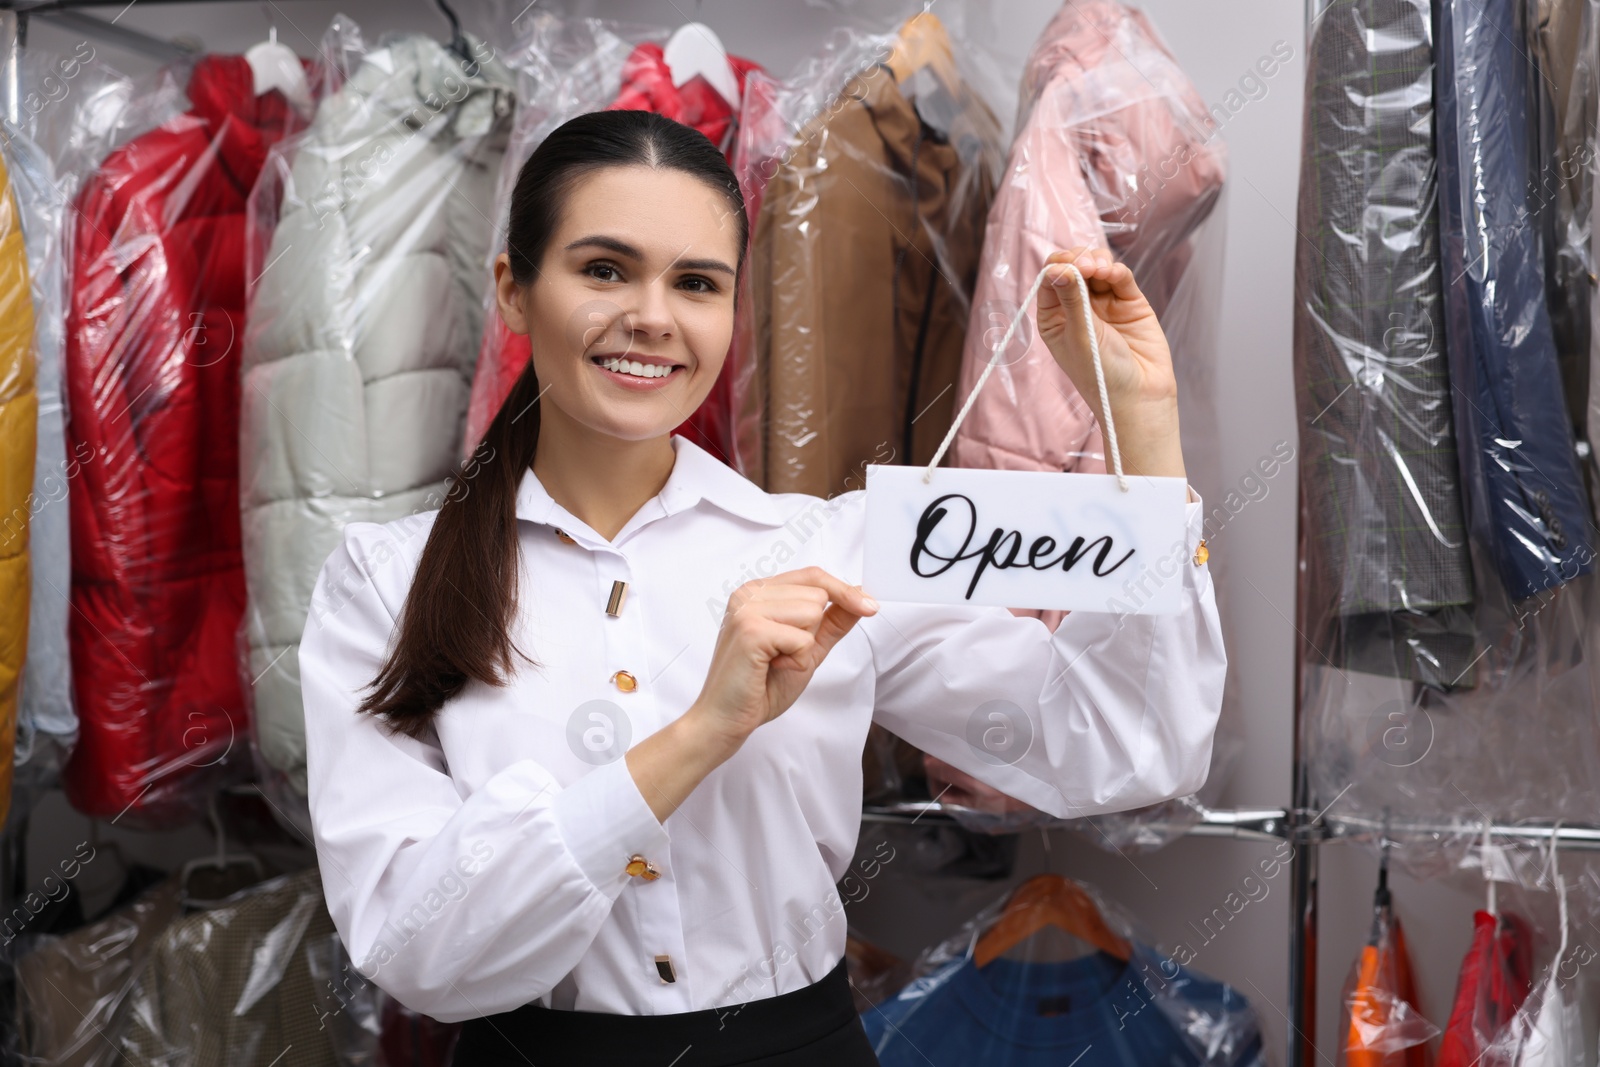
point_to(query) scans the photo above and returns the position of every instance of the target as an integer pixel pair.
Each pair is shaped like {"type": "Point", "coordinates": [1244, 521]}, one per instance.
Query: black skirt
{"type": "Point", "coordinates": [810, 1026]}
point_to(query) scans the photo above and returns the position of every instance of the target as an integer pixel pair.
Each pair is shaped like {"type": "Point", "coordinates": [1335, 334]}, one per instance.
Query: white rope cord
{"type": "Point", "coordinates": [994, 358]}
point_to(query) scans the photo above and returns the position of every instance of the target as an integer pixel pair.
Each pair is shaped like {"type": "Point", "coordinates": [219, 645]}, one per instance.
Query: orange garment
{"type": "Point", "coordinates": [1385, 1027]}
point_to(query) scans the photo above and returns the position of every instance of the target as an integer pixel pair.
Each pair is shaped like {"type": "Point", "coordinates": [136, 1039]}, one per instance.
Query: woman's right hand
{"type": "Point", "coordinates": [775, 633]}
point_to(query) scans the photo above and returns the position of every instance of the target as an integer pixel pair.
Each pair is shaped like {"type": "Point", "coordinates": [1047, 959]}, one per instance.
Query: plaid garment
{"type": "Point", "coordinates": [232, 987]}
{"type": "Point", "coordinates": [1386, 545]}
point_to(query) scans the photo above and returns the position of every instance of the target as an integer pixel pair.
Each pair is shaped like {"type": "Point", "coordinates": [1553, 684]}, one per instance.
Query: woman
{"type": "Point", "coordinates": [584, 767]}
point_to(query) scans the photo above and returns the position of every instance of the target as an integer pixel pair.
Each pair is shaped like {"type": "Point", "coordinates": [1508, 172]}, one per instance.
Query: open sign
{"type": "Point", "coordinates": [1025, 539]}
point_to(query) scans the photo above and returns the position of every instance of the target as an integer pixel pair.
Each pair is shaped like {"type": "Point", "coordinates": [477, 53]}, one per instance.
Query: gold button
{"type": "Point", "coordinates": [639, 867]}
{"type": "Point", "coordinates": [625, 681]}
{"type": "Point", "coordinates": [564, 538]}
{"type": "Point", "coordinates": [619, 593]}
{"type": "Point", "coordinates": [1201, 553]}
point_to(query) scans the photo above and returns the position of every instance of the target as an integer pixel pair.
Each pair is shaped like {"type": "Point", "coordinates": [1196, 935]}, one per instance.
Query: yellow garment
{"type": "Point", "coordinates": [19, 424]}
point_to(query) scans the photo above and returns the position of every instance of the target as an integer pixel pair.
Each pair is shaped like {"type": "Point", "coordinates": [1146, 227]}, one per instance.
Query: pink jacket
{"type": "Point", "coordinates": [1114, 150]}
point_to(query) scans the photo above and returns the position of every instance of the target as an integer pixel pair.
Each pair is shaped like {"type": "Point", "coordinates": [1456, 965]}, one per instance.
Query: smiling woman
{"type": "Point", "coordinates": [530, 674]}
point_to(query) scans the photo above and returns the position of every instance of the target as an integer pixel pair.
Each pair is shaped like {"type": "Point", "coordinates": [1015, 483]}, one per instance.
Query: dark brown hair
{"type": "Point", "coordinates": [456, 621]}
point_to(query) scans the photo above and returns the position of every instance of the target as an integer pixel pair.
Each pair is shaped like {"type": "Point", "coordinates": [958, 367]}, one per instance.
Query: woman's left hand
{"type": "Point", "coordinates": [1133, 352]}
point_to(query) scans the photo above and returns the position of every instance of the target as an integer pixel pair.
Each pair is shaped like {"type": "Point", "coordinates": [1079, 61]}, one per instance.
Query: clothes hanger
{"type": "Point", "coordinates": [921, 40]}
{"type": "Point", "coordinates": [1382, 901]}
{"type": "Point", "coordinates": [219, 862]}
{"type": "Point", "coordinates": [275, 66]}
{"type": "Point", "coordinates": [1049, 900]}
{"type": "Point", "coordinates": [458, 40]}
{"type": "Point", "coordinates": [693, 49]}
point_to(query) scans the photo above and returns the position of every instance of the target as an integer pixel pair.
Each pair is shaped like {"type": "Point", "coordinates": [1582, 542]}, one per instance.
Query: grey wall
{"type": "Point", "coordinates": [1218, 42]}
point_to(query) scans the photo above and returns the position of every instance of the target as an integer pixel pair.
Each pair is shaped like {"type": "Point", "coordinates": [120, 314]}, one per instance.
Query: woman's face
{"type": "Point", "coordinates": [632, 310]}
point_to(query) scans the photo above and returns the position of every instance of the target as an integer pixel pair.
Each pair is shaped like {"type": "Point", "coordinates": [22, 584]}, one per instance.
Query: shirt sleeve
{"type": "Point", "coordinates": [1109, 712]}
{"type": "Point", "coordinates": [458, 906]}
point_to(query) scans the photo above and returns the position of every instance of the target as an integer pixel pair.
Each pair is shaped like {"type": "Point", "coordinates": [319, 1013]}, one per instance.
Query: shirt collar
{"type": "Point", "coordinates": [696, 475]}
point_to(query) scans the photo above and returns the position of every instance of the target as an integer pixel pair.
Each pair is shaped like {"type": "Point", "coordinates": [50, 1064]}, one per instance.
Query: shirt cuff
{"type": "Point", "coordinates": [603, 820]}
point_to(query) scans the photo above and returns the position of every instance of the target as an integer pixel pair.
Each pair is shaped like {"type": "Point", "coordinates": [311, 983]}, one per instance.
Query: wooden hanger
{"type": "Point", "coordinates": [1049, 900]}
{"type": "Point", "coordinates": [923, 42]}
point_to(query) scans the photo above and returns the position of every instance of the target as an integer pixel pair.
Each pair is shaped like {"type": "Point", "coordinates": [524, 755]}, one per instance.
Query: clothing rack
{"type": "Point", "coordinates": [1302, 826]}
{"type": "Point", "coordinates": [14, 17]}
{"type": "Point", "coordinates": [1305, 822]}
{"type": "Point", "coordinates": [1253, 824]}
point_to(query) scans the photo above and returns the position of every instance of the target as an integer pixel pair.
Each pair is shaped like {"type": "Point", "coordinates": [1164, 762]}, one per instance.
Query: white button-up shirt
{"type": "Point", "coordinates": [483, 868]}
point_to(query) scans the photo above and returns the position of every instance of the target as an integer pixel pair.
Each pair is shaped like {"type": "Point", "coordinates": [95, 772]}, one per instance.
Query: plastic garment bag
{"type": "Point", "coordinates": [72, 990]}
{"type": "Point", "coordinates": [1494, 982]}
{"type": "Point", "coordinates": [1564, 54]}
{"type": "Point", "coordinates": [578, 66]}
{"type": "Point", "coordinates": [1031, 1006]}
{"type": "Point", "coordinates": [1114, 149]}
{"type": "Point", "coordinates": [1388, 549]}
{"type": "Point", "coordinates": [1588, 178]}
{"type": "Point", "coordinates": [876, 168]}
{"type": "Point", "coordinates": [153, 336]}
{"type": "Point", "coordinates": [1384, 1026]}
{"type": "Point", "coordinates": [231, 986]}
{"type": "Point", "coordinates": [74, 108]}
{"type": "Point", "coordinates": [1420, 671]}
{"type": "Point", "coordinates": [369, 234]}
{"type": "Point", "coordinates": [19, 425]}
{"type": "Point", "coordinates": [1549, 1030]}
{"type": "Point", "coordinates": [1524, 498]}
{"type": "Point", "coordinates": [46, 706]}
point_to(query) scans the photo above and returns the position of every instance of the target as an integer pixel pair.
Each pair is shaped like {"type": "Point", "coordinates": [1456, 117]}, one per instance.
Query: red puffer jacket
{"type": "Point", "coordinates": [152, 377]}
{"type": "Point", "coordinates": [646, 86]}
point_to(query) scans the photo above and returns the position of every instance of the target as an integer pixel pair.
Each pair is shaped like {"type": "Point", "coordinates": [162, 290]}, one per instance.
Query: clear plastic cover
{"type": "Point", "coordinates": [1093, 987]}
{"type": "Point", "coordinates": [1383, 1024]}
{"type": "Point", "coordinates": [1446, 604]}
{"type": "Point", "coordinates": [878, 163]}
{"type": "Point", "coordinates": [578, 66]}
{"type": "Point", "coordinates": [1524, 498]}
{"type": "Point", "coordinates": [72, 990]}
{"type": "Point", "coordinates": [1495, 981]}
{"type": "Point", "coordinates": [151, 371]}
{"type": "Point", "coordinates": [231, 985]}
{"type": "Point", "coordinates": [1134, 165]}
{"type": "Point", "coordinates": [1565, 55]}
{"type": "Point", "coordinates": [1377, 431]}
{"type": "Point", "coordinates": [73, 109]}
{"type": "Point", "coordinates": [46, 703]}
{"type": "Point", "coordinates": [19, 425]}
{"type": "Point", "coordinates": [368, 235]}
